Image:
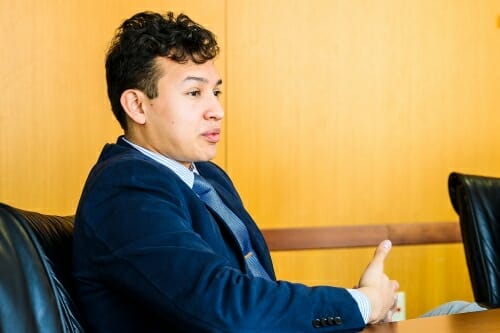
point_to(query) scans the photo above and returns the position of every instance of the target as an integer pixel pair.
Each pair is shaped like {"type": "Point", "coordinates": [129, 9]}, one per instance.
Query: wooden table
{"type": "Point", "coordinates": [481, 322]}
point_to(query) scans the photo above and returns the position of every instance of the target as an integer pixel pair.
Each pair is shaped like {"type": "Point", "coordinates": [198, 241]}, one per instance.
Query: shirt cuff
{"type": "Point", "coordinates": [363, 303]}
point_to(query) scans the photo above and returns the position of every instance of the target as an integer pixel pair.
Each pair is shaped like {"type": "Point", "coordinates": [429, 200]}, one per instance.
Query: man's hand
{"type": "Point", "coordinates": [378, 288]}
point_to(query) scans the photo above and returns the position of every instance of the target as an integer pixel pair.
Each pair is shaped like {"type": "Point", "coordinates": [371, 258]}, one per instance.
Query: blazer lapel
{"type": "Point", "coordinates": [256, 237]}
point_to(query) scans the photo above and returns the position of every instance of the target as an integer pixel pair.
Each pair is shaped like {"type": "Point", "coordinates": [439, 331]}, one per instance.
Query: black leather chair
{"type": "Point", "coordinates": [35, 263]}
{"type": "Point", "coordinates": [476, 199]}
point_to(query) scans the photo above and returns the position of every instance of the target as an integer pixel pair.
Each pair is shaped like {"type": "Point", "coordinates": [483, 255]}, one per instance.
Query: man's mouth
{"type": "Point", "coordinates": [213, 136]}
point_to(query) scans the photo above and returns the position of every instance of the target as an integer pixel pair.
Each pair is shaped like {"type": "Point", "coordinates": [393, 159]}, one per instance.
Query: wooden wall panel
{"type": "Point", "coordinates": [55, 116]}
{"type": "Point", "coordinates": [354, 113]}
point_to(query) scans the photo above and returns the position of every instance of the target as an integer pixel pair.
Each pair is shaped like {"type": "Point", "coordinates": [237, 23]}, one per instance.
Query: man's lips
{"type": "Point", "coordinates": [213, 136]}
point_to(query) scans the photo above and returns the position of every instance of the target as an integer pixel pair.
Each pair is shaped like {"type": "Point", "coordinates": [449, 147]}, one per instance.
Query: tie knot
{"type": "Point", "coordinates": [201, 186]}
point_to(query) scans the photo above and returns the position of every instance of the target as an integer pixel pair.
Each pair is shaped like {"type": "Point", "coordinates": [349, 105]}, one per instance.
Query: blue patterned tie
{"type": "Point", "coordinates": [210, 197]}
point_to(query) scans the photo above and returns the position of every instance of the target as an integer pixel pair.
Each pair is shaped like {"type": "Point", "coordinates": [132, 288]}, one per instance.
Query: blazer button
{"type": "Point", "coordinates": [316, 323]}
{"type": "Point", "coordinates": [324, 322]}
{"type": "Point", "coordinates": [334, 320]}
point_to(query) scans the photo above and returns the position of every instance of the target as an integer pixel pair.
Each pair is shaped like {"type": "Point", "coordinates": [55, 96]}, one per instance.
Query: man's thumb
{"type": "Point", "coordinates": [381, 252]}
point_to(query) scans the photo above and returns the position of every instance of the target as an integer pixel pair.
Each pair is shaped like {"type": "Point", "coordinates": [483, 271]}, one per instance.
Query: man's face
{"type": "Point", "coordinates": [184, 121]}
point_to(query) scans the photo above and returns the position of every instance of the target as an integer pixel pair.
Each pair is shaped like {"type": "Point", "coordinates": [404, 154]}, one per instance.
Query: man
{"type": "Point", "coordinates": [162, 242]}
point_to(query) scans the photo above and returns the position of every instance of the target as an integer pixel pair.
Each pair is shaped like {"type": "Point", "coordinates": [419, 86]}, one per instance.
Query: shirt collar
{"type": "Point", "coordinates": [186, 174]}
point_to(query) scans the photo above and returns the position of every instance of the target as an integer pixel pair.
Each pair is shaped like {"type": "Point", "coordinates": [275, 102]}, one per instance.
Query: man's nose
{"type": "Point", "coordinates": [215, 110]}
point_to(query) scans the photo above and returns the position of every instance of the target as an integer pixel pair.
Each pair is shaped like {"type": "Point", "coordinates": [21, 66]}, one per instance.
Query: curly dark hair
{"type": "Point", "coordinates": [130, 60]}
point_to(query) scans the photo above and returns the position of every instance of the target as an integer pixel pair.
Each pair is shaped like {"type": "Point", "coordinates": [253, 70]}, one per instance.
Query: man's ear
{"type": "Point", "coordinates": [132, 101]}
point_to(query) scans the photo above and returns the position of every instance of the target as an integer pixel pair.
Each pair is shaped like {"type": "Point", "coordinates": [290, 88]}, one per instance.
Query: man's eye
{"type": "Point", "coordinates": [194, 93]}
{"type": "Point", "coordinates": [217, 93]}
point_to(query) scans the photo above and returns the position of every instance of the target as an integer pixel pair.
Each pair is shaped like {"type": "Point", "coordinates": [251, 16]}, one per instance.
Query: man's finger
{"type": "Point", "coordinates": [381, 252]}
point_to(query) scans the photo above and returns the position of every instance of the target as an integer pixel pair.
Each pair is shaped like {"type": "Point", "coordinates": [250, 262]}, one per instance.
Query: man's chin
{"type": "Point", "coordinates": [205, 158]}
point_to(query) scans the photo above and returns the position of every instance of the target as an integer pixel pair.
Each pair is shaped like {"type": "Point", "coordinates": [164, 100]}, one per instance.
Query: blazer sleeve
{"type": "Point", "coordinates": [146, 234]}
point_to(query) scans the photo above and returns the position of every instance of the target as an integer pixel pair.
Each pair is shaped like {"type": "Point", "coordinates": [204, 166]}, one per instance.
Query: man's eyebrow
{"type": "Point", "coordinates": [201, 79]}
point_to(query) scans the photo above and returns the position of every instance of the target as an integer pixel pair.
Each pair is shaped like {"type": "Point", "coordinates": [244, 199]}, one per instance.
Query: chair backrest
{"type": "Point", "coordinates": [476, 199]}
{"type": "Point", "coordinates": [35, 265]}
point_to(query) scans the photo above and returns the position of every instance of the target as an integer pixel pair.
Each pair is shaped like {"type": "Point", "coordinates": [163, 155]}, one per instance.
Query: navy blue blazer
{"type": "Point", "coordinates": [149, 256]}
